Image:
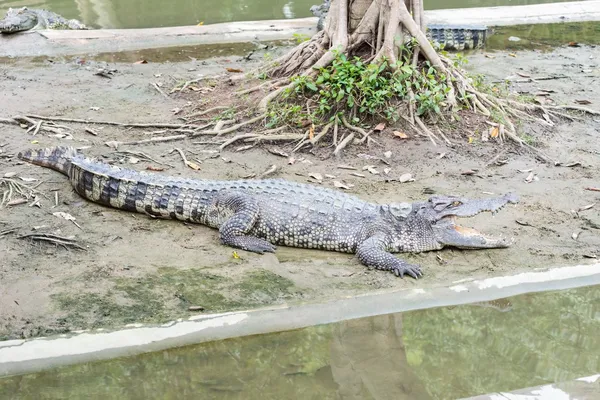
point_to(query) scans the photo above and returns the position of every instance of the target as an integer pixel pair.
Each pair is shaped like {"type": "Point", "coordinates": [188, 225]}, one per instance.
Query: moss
{"type": "Point", "coordinates": [167, 295]}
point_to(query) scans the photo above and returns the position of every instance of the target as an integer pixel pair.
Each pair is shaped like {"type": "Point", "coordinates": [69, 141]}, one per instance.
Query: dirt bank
{"type": "Point", "coordinates": [136, 269]}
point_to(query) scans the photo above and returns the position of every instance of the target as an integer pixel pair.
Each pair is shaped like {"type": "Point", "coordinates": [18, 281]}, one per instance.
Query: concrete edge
{"type": "Point", "coordinates": [585, 388]}
{"type": "Point", "coordinates": [26, 356]}
{"type": "Point", "coordinates": [97, 41]}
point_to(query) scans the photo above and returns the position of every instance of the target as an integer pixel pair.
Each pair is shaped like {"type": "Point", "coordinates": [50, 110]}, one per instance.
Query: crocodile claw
{"type": "Point", "coordinates": [402, 268]}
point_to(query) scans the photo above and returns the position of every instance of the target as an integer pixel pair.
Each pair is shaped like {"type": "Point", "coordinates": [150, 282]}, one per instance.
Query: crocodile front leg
{"type": "Point", "coordinates": [233, 232]}
{"type": "Point", "coordinates": [372, 252]}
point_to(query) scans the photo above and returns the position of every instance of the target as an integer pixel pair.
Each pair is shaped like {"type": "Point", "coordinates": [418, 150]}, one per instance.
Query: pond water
{"type": "Point", "coordinates": [156, 13]}
{"type": "Point", "coordinates": [441, 353]}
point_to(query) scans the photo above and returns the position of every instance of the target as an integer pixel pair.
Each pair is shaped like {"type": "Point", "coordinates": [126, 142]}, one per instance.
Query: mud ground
{"type": "Point", "coordinates": [137, 269]}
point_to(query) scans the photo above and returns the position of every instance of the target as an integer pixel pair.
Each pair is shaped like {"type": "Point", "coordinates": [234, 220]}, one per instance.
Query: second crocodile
{"type": "Point", "coordinates": [256, 215]}
{"type": "Point", "coordinates": [24, 19]}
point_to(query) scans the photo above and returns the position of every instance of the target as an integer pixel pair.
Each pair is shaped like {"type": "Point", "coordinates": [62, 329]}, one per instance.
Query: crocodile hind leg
{"type": "Point", "coordinates": [233, 231]}
{"type": "Point", "coordinates": [372, 253]}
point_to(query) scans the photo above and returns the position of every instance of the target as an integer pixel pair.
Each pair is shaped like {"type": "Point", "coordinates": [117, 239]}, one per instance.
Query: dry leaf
{"type": "Point", "coordinates": [200, 23]}
{"type": "Point", "coordinates": [28, 179]}
{"type": "Point", "coordinates": [10, 174]}
{"type": "Point", "coordinates": [134, 160]}
{"type": "Point", "coordinates": [94, 108]}
{"type": "Point", "coordinates": [141, 62]}
{"type": "Point", "coordinates": [357, 174]}
{"type": "Point", "coordinates": [234, 70]}
{"type": "Point", "coordinates": [489, 56]}
{"type": "Point", "coordinates": [512, 54]}
{"type": "Point", "coordinates": [573, 44]}
{"type": "Point", "coordinates": [485, 136]}
{"type": "Point", "coordinates": [468, 172]}
{"type": "Point", "coordinates": [341, 185]}
{"type": "Point", "coordinates": [584, 208]}
{"type": "Point", "coordinates": [278, 152]}
{"type": "Point", "coordinates": [494, 132]}
{"type": "Point", "coordinates": [523, 75]}
{"type": "Point", "coordinates": [387, 154]}
{"type": "Point", "coordinates": [583, 102]}
{"type": "Point", "coordinates": [311, 132]}
{"type": "Point", "coordinates": [575, 235]}
{"type": "Point", "coordinates": [157, 169]}
{"type": "Point", "coordinates": [401, 135]}
{"type": "Point", "coordinates": [329, 176]}
{"type": "Point", "coordinates": [530, 177]}
{"type": "Point", "coordinates": [346, 167]}
{"type": "Point", "coordinates": [380, 126]}
{"type": "Point", "coordinates": [316, 176]}
{"type": "Point", "coordinates": [291, 161]}
{"type": "Point", "coordinates": [386, 170]}
{"type": "Point", "coordinates": [373, 170]}
{"type": "Point", "coordinates": [192, 165]}
{"type": "Point", "coordinates": [406, 178]}
{"type": "Point", "coordinates": [470, 139]}
{"type": "Point", "coordinates": [235, 255]}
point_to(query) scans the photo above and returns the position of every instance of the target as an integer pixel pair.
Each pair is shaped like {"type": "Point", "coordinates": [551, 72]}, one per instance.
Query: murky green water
{"type": "Point", "coordinates": [154, 13]}
{"type": "Point", "coordinates": [442, 353]}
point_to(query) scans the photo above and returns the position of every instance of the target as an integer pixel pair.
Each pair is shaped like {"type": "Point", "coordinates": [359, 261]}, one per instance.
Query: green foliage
{"type": "Point", "coordinates": [301, 37]}
{"type": "Point", "coordinates": [353, 87]}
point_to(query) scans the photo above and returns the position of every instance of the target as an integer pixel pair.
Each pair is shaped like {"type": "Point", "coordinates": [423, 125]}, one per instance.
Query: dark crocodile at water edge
{"type": "Point", "coordinates": [447, 37]}
{"type": "Point", "coordinates": [256, 215]}
{"type": "Point", "coordinates": [24, 19]}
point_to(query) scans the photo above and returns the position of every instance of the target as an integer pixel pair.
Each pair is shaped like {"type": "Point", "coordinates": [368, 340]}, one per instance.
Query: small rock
{"type": "Point", "coordinates": [406, 178]}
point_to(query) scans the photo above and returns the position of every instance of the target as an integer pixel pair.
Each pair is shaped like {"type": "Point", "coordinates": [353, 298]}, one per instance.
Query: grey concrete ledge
{"type": "Point", "coordinates": [25, 356]}
{"type": "Point", "coordinates": [574, 11]}
{"type": "Point", "coordinates": [52, 43]}
{"type": "Point", "coordinates": [586, 388]}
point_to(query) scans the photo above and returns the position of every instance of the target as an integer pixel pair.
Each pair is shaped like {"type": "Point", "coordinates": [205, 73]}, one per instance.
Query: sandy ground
{"type": "Point", "coordinates": [137, 269]}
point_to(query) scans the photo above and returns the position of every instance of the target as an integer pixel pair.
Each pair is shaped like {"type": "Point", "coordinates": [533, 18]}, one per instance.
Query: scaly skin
{"type": "Point", "coordinates": [24, 19]}
{"type": "Point", "coordinates": [450, 37]}
{"type": "Point", "coordinates": [257, 215]}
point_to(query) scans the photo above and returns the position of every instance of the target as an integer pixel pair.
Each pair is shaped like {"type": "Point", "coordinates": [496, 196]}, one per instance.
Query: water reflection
{"type": "Point", "coordinates": [155, 13]}
{"type": "Point", "coordinates": [443, 353]}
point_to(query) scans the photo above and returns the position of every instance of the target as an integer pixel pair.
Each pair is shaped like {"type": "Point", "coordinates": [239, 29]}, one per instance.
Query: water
{"type": "Point", "coordinates": [157, 13]}
{"type": "Point", "coordinates": [442, 353]}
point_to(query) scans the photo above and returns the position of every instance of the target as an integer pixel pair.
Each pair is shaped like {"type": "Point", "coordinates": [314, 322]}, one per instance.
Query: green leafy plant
{"type": "Point", "coordinates": [353, 87]}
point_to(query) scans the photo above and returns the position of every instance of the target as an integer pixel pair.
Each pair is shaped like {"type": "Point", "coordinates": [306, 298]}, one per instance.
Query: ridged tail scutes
{"type": "Point", "coordinates": [58, 158]}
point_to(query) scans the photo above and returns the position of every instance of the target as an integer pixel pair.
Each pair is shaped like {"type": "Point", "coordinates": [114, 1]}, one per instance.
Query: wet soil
{"type": "Point", "coordinates": [138, 269]}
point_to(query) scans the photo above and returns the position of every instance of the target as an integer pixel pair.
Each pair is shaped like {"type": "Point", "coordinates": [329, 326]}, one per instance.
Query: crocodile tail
{"type": "Point", "coordinates": [57, 158]}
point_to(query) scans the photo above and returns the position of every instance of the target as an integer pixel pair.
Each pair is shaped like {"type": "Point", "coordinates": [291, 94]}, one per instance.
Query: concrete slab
{"type": "Point", "coordinates": [586, 388]}
{"type": "Point", "coordinates": [25, 356]}
{"type": "Point", "coordinates": [54, 43]}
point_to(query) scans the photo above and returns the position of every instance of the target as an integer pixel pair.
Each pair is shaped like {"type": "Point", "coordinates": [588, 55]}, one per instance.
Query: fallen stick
{"type": "Point", "coordinates": [201, 113]}
{"type": "Point", "coordinates": [343, 144]}
{"type": "Point", "coordinates": [576, 108]}
{"type": "Point", "coordinates": [113, 123]}
{"type": "Point", "coordinates": [160, 90]}
{"type": "Point", "coordinates": [46, 237]}
{"type": "Point", "coordinates": [115, 144]}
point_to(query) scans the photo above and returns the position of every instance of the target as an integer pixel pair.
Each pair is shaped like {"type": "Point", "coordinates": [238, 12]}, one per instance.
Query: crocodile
{"type": "Point", "coordinates": [258, 215]}
{"type": "Point", "coordinates": [446, 37]}
{"type": "Point", "coordinates": [24, 19]}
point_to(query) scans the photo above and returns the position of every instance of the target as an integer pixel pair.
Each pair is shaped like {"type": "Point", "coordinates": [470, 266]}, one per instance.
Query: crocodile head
{"type": "Point", "coordinates": [443, 211]}
{"type": "Point", "coordinates": [432, 225]}
{"type": "Point", "coordinates": [18, 19]}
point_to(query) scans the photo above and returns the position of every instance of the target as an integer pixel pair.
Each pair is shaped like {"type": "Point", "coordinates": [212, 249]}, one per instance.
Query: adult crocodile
{"type": "Point", "coordinates": [256, 215]}
{"type": "Point", "coordinates": [448, 37]}
{"type": "Point", "coordinates": [24, 19]}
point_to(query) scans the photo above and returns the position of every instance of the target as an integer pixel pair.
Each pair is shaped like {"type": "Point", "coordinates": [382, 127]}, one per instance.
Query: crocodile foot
{"type": "Point", "coordinates": [250, 243]}
{"type": "Point", "coordinates": [401, 268]}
